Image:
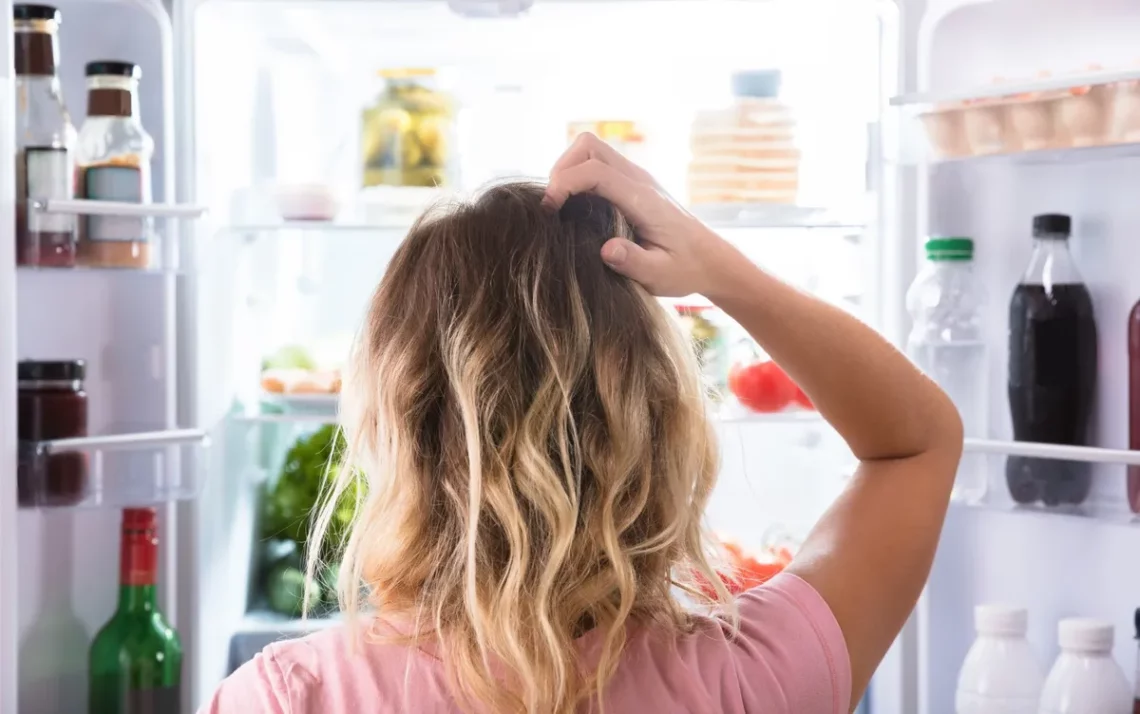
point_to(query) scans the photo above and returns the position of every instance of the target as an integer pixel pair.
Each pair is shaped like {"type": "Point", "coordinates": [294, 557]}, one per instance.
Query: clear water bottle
{"type": "Point", "coordinates": [947, 343]}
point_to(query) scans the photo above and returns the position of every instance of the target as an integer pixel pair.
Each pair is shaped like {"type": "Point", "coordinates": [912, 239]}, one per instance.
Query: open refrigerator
{"type": "Point", "coordinates": [251, 102]}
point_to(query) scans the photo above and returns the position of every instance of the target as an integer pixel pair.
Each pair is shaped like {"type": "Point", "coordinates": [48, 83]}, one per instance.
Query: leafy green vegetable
{"type": "Point", "coordinates": [286, 589]}
{"type": "Point", "coordinates": [289, 503]}
{"type": "Point", "coordinates": [289, 357]}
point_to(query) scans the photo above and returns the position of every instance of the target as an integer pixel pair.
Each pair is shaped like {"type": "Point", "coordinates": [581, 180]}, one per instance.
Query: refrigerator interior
{"type": "Point", "coordinates": [281, 107]}
{"type": "Point", "coordinates": [1055, 565]}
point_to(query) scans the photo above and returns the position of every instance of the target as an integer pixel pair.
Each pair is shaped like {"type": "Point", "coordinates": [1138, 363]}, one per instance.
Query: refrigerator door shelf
{"type": "Point", "coordinates": [85, 207]}
{"type": "Point", "coordinates": [121, 470]}
{"type": "Point", "coordinates": [1052, 479]}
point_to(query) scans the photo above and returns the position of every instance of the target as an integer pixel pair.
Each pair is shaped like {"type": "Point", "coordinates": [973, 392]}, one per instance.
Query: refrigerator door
{"type": "Point", "coordinates": [1055, 564]}
{"type": "Point", "coordinates": [61, 582]}
{"type": "Point", "coordinates": [9, 517]}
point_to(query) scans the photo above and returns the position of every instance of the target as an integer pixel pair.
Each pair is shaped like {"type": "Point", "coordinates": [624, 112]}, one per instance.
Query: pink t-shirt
{"type": "Point", "coordinates": [788, 658]}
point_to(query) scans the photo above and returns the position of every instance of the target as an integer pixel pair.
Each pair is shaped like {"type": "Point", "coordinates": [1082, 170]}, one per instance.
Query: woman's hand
{"type": "Point", "coordinates": [677, 254]}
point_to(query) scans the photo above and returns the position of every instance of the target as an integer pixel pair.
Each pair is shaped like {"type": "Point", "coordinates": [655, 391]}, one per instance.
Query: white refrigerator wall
{"type": "Point", "coordinates": [121, 323]}
{"type": "Point", "coordinates": [1056, 566]}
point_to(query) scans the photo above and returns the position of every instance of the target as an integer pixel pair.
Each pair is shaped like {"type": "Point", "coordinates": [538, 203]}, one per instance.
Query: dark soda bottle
{"type": "Point", "coordinates": [1052, 368]}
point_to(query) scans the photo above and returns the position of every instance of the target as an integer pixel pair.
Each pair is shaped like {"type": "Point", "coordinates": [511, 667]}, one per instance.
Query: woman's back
{"type": "Point", "coordinates": [787, 658]}
{"type": "Point", "coordinates": [530, 433]}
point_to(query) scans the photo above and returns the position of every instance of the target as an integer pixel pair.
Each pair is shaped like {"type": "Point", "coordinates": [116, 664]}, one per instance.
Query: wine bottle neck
{"type": "Point", "coordinates": [138, 598]}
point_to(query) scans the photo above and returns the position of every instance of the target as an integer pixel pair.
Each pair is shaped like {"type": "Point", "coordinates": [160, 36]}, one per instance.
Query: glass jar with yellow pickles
{"type": "Point", "coordinates": [407, 131]}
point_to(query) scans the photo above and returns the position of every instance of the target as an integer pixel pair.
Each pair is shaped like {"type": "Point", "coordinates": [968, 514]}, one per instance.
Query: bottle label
{"type": "Point", "coordinates": [47, 175]}
{"type": "Point", "coordinates": [157, 700]}
{"type": "Point", "coordinates": [110, 695]}
{"type": "Point", "coordinates": [114, 183]}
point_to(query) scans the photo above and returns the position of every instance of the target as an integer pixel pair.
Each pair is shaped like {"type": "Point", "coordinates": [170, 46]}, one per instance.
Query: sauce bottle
{"type": "Point", "coordinates": [44, 140]}
{"type": "Point", "coordinates": [113, 160]}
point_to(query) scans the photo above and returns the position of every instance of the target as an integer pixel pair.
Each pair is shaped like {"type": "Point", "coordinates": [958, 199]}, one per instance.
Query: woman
{"type": "Point", "coordinates": [532, 432]}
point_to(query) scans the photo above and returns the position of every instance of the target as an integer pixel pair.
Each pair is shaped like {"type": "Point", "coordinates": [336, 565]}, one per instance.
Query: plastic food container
{"type": "Point", "coordinates": [1124, 119]}
{"type": "Point", "coordinates": [1087, 113]}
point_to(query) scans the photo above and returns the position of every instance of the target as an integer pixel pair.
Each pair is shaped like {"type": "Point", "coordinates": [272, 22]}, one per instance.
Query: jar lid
{"type": "Point", "coordinates": [36, 12]}
{"type": "Point", "coordinates": [948, 248]}
{"type": "Point", "coordinates": [1001, 620]}
{"type": "Point", "coordinates": [405, 72]}
{"type": "Point", "coordinates": [758, 84]}
{"type": "Point", "coordinates": [113, 68]}
{"type": "Point", "coordinates": [74, 370]}
{"type": "Point", "coordinates": [1080, 634]}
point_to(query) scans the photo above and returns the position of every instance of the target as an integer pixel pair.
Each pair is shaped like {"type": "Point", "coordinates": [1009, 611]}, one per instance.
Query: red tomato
{"type": "Point", "coordinates": [761, 387]}
{"type": "Point", "coordinates": [802, 399]}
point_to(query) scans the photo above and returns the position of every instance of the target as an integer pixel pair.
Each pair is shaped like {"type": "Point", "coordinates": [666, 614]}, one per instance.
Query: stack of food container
{"type": "Point", "coordinates": [747, 152]}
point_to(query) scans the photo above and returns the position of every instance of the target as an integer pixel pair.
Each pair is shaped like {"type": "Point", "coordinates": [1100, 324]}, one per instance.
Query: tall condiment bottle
{"type": "Point", "coordinates": [113, 158]}
{"type": "Point", "coordinates": [136, 658]}
{"type": "Point", "coordinates": [44, 140]}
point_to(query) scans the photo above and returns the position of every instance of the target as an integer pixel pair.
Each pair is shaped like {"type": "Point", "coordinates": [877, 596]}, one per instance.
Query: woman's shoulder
{"type": "Point", "coordinates": [339, 669]}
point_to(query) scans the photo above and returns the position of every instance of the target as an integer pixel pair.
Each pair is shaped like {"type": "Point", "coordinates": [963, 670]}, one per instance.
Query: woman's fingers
{"type": "Point", "coordinates": [595, 176]}
{"type": "Point", "coordinates": [647, 267]}
{"type": "Point", "coordinates": [587, 146]}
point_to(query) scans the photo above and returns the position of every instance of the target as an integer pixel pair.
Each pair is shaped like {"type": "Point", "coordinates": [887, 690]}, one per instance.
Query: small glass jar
{"type": "Point", "coordinates": [406, 134]}
{"type": "Point", "coordinates": [52, 404]}
{"type": "Point", "coordinates": [113, 160]}
{"type": "Point", "coordinates": [44, 141]}
{"type": "Point", "coordinates": [704, 326]}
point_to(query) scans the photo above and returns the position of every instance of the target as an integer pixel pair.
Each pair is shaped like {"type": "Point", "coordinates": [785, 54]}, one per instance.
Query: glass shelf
{"type": "Point", "coordinates": [109, 471]}
{"type": "Point", "coordinates": [1052, 480]}
{"type": "Point", "coordinates": [86, 207]}
{"type": "Point", "coordinates": [267, 621]}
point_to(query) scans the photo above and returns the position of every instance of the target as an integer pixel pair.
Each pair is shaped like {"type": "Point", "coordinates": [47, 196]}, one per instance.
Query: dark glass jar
{"type": "Point", "coordinates": [52, 404]}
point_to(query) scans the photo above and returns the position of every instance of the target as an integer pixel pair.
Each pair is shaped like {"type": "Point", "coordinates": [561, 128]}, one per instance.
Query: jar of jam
{"type": "Point", "coordinates": [52, 404]}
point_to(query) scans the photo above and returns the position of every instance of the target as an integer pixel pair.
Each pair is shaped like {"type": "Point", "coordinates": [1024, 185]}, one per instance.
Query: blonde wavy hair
{"type": "Point", "coordinates": [529, 433]}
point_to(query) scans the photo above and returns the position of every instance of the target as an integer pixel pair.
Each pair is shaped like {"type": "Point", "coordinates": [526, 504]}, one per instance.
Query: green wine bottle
{"type": "Point", "coordinates": [136, 659]}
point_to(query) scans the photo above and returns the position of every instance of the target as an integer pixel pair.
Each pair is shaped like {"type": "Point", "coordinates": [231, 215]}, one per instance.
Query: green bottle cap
{"type": "Point", "coordinates": [954, 248]}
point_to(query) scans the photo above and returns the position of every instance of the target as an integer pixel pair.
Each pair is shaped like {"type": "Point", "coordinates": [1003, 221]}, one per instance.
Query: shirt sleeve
{"type": "Point", "coordinates": [257, 687]}
{"type": "Point", "coordinates": [789, 635]}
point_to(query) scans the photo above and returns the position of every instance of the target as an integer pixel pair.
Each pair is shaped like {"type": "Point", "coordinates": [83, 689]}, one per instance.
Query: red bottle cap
{"type": "Point", "coordinates": [140, 519]}
{"type": "Point", "coordinates": [138, 559]}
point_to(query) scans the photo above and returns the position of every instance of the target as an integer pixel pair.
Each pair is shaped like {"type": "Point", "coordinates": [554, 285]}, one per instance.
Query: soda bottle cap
{"type": "Point", "coordinates": [1052, 224]}
{"type": "Point", "coordinates": [950, 248]}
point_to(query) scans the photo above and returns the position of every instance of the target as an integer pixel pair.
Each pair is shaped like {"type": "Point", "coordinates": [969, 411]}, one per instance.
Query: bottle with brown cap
{"type": "Point", "coordinates": [44, 140]}
{"type": "Point", "coordinates": [113, 156]}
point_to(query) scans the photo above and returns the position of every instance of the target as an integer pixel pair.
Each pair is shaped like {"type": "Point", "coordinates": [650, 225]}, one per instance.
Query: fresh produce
{"type": "Point", "coordinates": [289, 357]}
{"type": "Point", "coordinates": [764, 387]}
{"type": "Point", "coordinates": [746, 571]}
{"type": "Point", "coordinates": [311, 463]}
{"type": "Point", "coordinates": [287, 591]}
{"type": "Point", "coordinates": [761, 386]}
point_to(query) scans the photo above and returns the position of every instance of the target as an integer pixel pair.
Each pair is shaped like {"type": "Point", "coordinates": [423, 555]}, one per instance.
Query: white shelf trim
{"type": "Point", "coordinates": [117, 208]}
{"type": "Point", "coordinates": [299, 418]}
{"type": "Point", "coordinates": [1056, 452]}
{"type": "Point", "coordinates": [1047, 84]}
{"type": "Point", "coordinates": [126, 442]}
